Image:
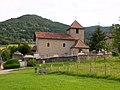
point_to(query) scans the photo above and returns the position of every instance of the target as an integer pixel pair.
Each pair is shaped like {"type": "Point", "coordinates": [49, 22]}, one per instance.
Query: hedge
{"type": "Point", "coordinates": [11, 64]}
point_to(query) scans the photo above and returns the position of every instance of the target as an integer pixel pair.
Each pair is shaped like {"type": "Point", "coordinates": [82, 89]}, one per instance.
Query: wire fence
{"type": "Point", "coordinates": [99, 68]}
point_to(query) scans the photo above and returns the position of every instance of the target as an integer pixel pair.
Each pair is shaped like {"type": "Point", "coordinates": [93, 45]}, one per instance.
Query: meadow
{"type": "Point", "coordinates": [108, 68]}
{"type": "Point", "coordinates": [26, 79]}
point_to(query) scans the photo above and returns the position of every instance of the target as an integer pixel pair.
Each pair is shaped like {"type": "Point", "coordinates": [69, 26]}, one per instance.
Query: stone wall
{"type": "Point", "coordinates": [55, 47]}
{"type": "Point", "coordinates": [72, 58]}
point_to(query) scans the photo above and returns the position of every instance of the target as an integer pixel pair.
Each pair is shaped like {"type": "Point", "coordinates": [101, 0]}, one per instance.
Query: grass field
{"type": "Point", "coordinates": [28, 80]}
{"type": "Point", "coordinates": [108, 68]}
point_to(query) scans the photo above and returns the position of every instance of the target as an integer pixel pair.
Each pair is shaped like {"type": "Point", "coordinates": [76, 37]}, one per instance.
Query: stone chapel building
{"type": "Point", "coordinates": [49, 44]}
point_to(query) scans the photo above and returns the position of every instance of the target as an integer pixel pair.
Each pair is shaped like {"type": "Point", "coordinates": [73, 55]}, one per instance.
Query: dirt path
{"type": "Point", "coordinates": [5, 71]}
{"type": "Point", "coordinates": [9, 70]}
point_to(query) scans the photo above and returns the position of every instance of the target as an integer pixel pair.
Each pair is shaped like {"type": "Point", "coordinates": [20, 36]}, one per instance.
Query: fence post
{"type": "Point", "coordinates": [105, 66]}
{"type": "Point", "coordinates": [105, 70]}
{"type": "Point", "coordinates": [51, 68]}
{"type": "Point", "coordinates": [63, 68]}
{"type": "Point", "coordinates": [58, 68]}
{"type": "Point", "coordinates": [90, 68]}
{"type": "Point", "coordinates": [68, 68]}
{"type": "Point", "coordinates": [77, 68]}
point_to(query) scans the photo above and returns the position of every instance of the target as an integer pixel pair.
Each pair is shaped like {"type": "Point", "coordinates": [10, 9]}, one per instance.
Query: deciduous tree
{"type": "Point", "coordinates": [24, 49]}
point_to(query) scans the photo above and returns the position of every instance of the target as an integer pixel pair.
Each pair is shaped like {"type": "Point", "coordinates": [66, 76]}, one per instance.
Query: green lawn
{"type": "Point", "coordinates": [28, 80]}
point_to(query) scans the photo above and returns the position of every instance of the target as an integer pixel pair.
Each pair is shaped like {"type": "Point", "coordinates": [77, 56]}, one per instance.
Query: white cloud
{"type": "Point", "coordinates": [87, 12]}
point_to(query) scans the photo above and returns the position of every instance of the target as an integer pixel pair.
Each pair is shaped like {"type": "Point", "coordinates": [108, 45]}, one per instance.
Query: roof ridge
{"type": "Point", "coordinates": [75, 24]}
{"type": "Point", "coordinates": [49, 35]}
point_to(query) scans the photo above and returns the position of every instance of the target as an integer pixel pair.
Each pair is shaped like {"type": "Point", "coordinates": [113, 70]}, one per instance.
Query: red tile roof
{"type": "Point", "coordinates": [75, 24]}
{"type": "Point", "coordinates": [48, 35]}
{"type": "Point", "coordinates": [80, 44]}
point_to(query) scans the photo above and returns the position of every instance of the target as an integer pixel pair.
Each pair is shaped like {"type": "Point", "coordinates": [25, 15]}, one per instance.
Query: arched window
{"type": "Point", "coordinates": [80, 50]}
{"type": "Point", "coordinates": [63, 44]}
{"type": "Point", "coordinates": [48, 44]}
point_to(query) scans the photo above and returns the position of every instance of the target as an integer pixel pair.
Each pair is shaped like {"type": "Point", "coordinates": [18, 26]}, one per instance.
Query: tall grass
{"type": "Point", "coordinates": [99, 67]}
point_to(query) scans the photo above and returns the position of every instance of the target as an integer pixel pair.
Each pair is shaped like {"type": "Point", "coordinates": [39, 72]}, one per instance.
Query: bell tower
{"type": "Point", "coordinates": [76, 31]}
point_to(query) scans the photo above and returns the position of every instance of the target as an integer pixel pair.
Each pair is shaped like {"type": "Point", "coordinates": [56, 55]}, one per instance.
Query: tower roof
{"type": "Point", "coordinates": [75, 24]}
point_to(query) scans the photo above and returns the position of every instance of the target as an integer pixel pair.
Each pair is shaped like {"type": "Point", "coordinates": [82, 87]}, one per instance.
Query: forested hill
{"type": "Point", "coordinates": [91, 29]}
{"type": "Point", "coordinates": [21, 29]}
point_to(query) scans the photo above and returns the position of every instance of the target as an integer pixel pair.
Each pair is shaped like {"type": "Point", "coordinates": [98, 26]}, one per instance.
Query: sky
{"type": "Point", "coordinates": [86, 12]}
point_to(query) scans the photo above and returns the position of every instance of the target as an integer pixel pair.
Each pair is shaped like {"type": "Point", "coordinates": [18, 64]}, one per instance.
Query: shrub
{"type": "Point", "coordinates": [115, 54]}
{"type": "Point", "coordinates": [31, 62]}
{"type": "Point", "coordinates": [11, 64]}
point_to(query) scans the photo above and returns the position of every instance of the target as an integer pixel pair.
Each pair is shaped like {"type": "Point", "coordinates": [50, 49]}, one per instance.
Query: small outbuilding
{"type": "Point", "coordinates": [28, 57]}
{"type": "Point", "coordinates": [18, 55]}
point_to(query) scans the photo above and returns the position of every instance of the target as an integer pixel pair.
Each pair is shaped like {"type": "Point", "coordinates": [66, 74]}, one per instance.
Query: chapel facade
{"type": "Point", "coordinates": [49, 44]}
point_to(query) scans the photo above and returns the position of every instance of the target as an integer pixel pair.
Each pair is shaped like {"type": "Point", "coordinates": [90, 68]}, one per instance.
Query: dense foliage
{"type": "Point", "coordinates": [24, 49]}
{"type": "Point", "coordinates": [6, 53]}
{"type": "Point", "coordinates": [11, 64]}
{"type": "Point", "coordinates": [21, 29]}
{"type": "Point", "coordinates": [98, 40]}
{"type": "Point", "coordinates": [115, 30]}
{"type": "Point", "coordinates": [31, 62]}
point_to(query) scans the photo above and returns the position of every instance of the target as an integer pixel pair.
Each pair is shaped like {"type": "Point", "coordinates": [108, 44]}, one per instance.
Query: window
{"type": "Point", "coordinates": [80, 50]}
{"type": "Point", "coordinates": [48, 44]}
{"type": "Point", "coordinates": [63, 44]}
{"type": "Point", "coordinates": [77, 30]}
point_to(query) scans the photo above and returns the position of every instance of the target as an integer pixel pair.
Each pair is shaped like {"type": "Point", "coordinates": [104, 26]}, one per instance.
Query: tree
{"type": "Point", "coordinates": [12, 49]}
{"type": "Point", "coordinates": [5, 54]}
{"type": "Point", "coordinates": [97, 41]}
{"type": "Point", "coordinates": [115, 30]}
{"type": "Point", "coordinates": [24, 49]}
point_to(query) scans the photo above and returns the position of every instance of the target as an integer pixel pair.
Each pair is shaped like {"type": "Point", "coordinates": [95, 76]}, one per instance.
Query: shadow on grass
{"type": "Point", "coordinates": [108, 77]}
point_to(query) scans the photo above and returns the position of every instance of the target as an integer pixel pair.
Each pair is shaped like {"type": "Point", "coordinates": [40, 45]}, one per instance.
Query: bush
{"type": "Point", "coordinates": [11, 64]}
{"type": "Point", "coordinates": [115, 54]}
{"type": "Point", "coordinates": [31, 62]}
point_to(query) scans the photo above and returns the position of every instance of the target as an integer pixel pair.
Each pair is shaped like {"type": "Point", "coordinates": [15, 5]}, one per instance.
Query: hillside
{"type": "Point", "coordinates": [21, 29]}
{"type": "Point", "coordinates": [90, 30]}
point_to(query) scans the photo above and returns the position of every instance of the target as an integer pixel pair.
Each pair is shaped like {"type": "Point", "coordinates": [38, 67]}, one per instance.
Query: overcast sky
{"type": "Point", "coordinates": [87, 12]}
